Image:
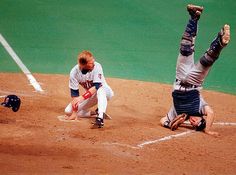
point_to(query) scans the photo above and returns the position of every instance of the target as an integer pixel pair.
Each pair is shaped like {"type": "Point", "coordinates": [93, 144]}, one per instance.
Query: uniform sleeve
{"type": "Point", "coordinates": [171, 114]}
{"type": "Point", "coordinates": [203, 103]}
{"type": "Point", "coordinates": [74, 79]}
{"type": "Point", "coordinates": [98, 74]}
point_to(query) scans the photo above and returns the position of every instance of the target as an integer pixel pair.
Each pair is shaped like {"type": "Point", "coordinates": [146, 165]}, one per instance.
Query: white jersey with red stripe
{"type": "Point", "coordinates": [86, 80]}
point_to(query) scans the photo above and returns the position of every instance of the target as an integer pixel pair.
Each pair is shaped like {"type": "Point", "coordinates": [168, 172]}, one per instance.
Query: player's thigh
{"type": "Point", "coordinates": [108, 91]}
{"type": "Point", "coordinates": [183, 66]}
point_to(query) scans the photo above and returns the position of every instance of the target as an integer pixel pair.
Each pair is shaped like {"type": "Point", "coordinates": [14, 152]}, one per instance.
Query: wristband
{"type": "Point", "coordinates": [87, 95]}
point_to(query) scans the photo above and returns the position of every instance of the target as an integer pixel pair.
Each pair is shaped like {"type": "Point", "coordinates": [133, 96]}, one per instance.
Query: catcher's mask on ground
{"type": "Point", "coordinates": [12, 101]}
{"type": "Point", "coordinates": [198, 122]}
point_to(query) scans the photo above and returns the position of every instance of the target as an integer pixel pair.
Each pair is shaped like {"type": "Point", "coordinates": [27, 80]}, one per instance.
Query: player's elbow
{"type": "Point", "coordinates": [209, 111]}
{"type": "Point", "coordinates": [163, 120]}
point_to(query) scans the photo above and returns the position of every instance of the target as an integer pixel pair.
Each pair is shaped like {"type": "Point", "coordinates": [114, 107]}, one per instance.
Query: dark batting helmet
{"type": "Point", "coordinates": [12, 101]}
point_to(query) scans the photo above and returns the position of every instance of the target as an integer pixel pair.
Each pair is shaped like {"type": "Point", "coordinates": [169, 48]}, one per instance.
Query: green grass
{"type": "Point", "coordinates": [133, 39]}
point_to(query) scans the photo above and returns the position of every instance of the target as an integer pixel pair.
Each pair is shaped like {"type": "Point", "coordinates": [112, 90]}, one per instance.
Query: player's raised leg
{"type": "Point", "coordinates": [186, 56]}
{"type": "Point", "coordinates": [201, 69]}
{"type": "Point", "coordinates": [187, 42]}
{"type": "Point", "coordinates": [216, 47]}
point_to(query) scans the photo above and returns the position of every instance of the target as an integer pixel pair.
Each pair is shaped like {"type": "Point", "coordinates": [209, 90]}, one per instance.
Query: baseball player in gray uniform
{"type": "Point", "coordinates": [89, 74]}
{"type": "Point", "coordinates": [188, 104]}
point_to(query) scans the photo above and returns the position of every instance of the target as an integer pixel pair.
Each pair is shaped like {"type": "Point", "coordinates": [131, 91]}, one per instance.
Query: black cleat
{"type": "Point", "coordinates": [98, 123]}
{"type": "Point", "coordinates": [194, 11]}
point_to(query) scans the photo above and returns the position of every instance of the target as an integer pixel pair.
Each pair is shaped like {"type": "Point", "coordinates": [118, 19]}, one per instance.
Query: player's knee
{"type": "Point", "coordinates": [68, 109]}
{"type": "Point", "coordinates": [186, 50]}
{"type": "Point", "coordinates": [101, 92]}
{"type": "Point", "coordinates": [110, 95]}
{"type": "Point", "coordinates": [186, 47]}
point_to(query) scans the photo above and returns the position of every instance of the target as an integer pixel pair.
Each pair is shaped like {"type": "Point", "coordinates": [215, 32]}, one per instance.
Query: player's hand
{"type": "Point", "coordinates": [72, 117]}
{"type": "Point", "coordinates": [212, 133]}
{"type": "Point", "coordinates": [75, 103]}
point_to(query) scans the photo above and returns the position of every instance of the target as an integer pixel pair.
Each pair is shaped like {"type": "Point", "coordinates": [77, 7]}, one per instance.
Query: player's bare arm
{"type": "Point", "coordinates": [209, 116]}
{"type": "Point", "coordinates": [77, 100]}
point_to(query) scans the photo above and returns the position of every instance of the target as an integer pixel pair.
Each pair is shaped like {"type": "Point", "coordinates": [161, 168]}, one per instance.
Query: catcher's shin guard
{"type": "Point", "coordinates": [187, 42]}
{"type": "Point", "coordinates": [216, 46]}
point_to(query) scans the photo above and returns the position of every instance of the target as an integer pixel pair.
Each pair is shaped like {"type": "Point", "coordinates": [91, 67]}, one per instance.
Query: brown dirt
{"type": "Point", "coordinates": [34, 141]}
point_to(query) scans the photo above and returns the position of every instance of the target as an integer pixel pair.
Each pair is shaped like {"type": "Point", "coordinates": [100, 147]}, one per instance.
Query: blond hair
{"type": "Point", "coordinates": [84, 57]}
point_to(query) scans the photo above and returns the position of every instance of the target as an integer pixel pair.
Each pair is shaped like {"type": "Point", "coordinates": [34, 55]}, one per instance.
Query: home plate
{"type": "Point", "coordinates": [62, 118]}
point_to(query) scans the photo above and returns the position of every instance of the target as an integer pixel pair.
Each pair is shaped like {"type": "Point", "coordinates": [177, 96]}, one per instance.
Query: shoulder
{"type": "Point", "coordinates": [74, 70]}
{"type": "Point", "coordinates": [97, 66]}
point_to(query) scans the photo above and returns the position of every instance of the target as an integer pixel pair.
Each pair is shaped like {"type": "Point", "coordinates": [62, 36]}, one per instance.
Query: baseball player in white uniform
{"type": "Point", "coordinates": [89, 74]}
{"type": "Point", "coordinates": [187, 101]}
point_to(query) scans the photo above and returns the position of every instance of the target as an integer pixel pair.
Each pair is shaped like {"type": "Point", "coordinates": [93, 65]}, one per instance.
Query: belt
{"type": "Point", "coordinates": [185, 84]}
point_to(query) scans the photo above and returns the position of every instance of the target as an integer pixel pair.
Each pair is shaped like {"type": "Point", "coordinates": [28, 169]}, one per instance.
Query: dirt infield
{"type": "Point", "coordinates": [34, 141]}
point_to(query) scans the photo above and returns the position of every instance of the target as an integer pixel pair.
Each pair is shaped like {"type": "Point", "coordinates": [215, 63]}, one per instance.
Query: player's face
{"type": "Point", "coordinates": [89, 66]}
{"type": "Point", "coordinates": [194, 120]}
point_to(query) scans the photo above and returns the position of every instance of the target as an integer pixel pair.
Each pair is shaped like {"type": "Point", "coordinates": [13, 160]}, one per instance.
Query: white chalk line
{"type": "Point", "coordinates": [20, 93]}
{"type": "Point", "coordinates": [224, 123]}
{"type": "Point", "coordinates": [120, 144]}
{"type": "Point", "coordinates": [166, 138]}
{"type": "Point", "coordinates": [151, 141]}
{"type": "Point", "coordinates": [21, 65]}
{"type": "Point", "coordinates": [219, 123]}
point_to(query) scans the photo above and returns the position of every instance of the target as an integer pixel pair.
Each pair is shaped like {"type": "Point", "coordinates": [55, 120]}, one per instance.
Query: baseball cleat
{"type": "Point", "coordinates": [98, 123]}
{"type": "Point", "coordinates": [225, 34]}
{"type": "Point", "coordinates": [194, 11]}
{"type": "Point", "coordinates": [105, 115]}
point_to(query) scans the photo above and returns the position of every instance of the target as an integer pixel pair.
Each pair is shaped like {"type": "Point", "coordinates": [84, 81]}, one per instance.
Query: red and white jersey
{"type": "Point", "coordinates": [86, 80]}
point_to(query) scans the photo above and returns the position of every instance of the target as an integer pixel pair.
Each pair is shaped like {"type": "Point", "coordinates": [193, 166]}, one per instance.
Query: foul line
{"type": "Point", "coordinates": [225, 123]}
{"type": "Point", "coordinates": [141, 145]}
{"type": "Point", "coordinates": [164, 138]}
{"type": "Point", "coordinates": [152, 141]}
{"type": "Point", "coordinates": [18, 61]}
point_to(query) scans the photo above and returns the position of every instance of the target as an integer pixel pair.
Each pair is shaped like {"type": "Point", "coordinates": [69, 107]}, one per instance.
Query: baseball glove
{"type": "Point", "coordinates": [179, 119]}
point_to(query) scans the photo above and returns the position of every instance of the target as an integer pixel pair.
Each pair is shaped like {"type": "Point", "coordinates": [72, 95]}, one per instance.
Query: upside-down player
{"type": "Point", "coordinates": [187, 101]}
{"type": "Point", "coordinates": [89, 74]}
